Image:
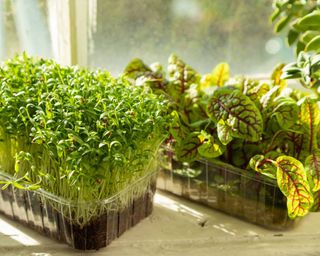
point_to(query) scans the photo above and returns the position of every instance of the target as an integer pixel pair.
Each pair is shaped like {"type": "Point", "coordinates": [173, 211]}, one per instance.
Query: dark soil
{"type": "Point", "coordinates": [28, 208]}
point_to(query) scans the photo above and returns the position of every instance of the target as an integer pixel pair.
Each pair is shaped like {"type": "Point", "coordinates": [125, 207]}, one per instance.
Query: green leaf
{"type": "Point", "coordinates": [267, 99]}
{"type": "Point", "coordinates": [314, 44]}
{"type": "Point", "coordinates": [187, 149]}
{"type": "Point", "coordinates": [291, 71]}
{"type": "Point", "coordinates": [264, 166]}
{"type": "Point", "coordinates": [308, 36]}
{"type": "Point", "coordinates": [136, 68]}
{"type": "Point", "coordinates": [281, 23]}
{"type": "Point", "coordinates": [220, 74]}
{"type": "Point", "coordinates": [240, 152]}
{"type": "Point", "coordinates": [275, 14]}
{"type": "Point", "coordinates": [312, 165]}
{"type": "Point", "coordinates": [286, 111]}
{"type": "Point", "coordinates": [288, 141]}
{"type": "Point", "coordinates": [255, 90]}
{"type": "Point", "coordinates": [310, 21]}
{"type": "Point", "coordinates": [238, 112]}
{"type": "Point", "coordinates": [210, 148]}
{"type": "Point", "coordinates": [300, 47]}
{"type": "Point", "coordinates": [293, 183]}
{"type": "Point", "coordinates": [310, 119]}
{"type": "Point", "coordinates": [178, 130]}
{"type": "Point", "coordinates": [292, 36]}
{"type": "Point", "coordinates": [273, 155]}
{"type": "Point", "coordinates": [181, 77]}
{"type": "Point", "coordinates": [142, 74]}
{"type": "Point", "coordinates": [224, 132]}
{"type": "Point", "coordinates": [316, 204]}
{"type": "Point", "coordinates": [276, 75]}
{"type": "Point", "coordinates": [197, 114]}
{"type": "Point", "coordinates": [206, 84]}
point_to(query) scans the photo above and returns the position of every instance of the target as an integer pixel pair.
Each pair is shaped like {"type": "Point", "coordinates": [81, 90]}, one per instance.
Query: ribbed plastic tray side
{"type": "Point", "coordinates": [54, 217]}
{"type": "Point", "coordinates": [241, 193]}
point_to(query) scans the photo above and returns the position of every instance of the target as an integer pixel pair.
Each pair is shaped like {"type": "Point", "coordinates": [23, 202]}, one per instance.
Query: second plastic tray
{"type": "Point", "coordinates": [241, 193]}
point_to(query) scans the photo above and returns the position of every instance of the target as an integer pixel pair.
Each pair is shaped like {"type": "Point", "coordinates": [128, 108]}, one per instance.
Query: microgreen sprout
{"type": "Point", "coordinates": [78, 134]}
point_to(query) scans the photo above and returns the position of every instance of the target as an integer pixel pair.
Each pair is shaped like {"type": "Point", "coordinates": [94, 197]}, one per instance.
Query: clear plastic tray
{"type": "Point", "coordinates": [53, 216]}
{"type": "Point", "coordinates": [240, 193]}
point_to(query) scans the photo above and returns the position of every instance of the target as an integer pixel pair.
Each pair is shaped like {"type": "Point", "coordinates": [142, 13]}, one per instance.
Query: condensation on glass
{"type": "Point", "coordinates": [202, 32]}
{"type": "Point", "coordinates": [24, 26]}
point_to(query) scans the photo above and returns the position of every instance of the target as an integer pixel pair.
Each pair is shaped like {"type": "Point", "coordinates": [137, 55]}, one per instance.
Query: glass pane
{"type": "Point", "coordinates": [24, 27]}
{"type": "Point", "coordinates": [202, 32]}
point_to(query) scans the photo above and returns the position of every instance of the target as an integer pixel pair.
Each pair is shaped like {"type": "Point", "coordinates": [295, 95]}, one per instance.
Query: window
{"type": "Point", "coordinates": [108, 34]}
{"type": "Point", "coordinates": [24, 27]}
{"type": "Point", "coordinates": [202, 32]}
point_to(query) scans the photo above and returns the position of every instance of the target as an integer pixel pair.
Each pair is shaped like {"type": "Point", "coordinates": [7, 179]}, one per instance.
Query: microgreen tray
{"type": "Point", "coordinates": [53, 216]}
{"type": "Point", "coordinates": [240, 193]}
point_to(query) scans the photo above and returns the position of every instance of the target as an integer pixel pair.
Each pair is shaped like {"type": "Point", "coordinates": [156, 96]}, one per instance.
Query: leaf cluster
{"type": "Point", "coordinates": [302, 19]}
{"type": "Point", "coordinates": [306, 69]}
{"type": "Point", "coordinates": [264, 126]}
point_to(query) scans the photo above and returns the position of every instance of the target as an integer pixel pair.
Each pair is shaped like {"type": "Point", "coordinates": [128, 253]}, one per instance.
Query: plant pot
{"type": "Point", "coordinates": [53, 216]}
{"type": "Point", "coordinates": [240, 193]}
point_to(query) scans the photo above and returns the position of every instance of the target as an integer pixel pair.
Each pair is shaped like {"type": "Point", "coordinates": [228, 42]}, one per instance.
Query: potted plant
{"type": "Point", "coordinates": [241, 146]}
{"type": "Point", "coordinates": [77, 150]}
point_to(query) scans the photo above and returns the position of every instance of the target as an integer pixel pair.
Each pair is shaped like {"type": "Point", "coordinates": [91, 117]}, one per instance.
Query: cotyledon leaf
{"type": "Point", "coordinates": [293, 183]}
{"type": "Point", "coordinates": [238, 112]}
{"type": "Point", "coordinates": [312, 165]}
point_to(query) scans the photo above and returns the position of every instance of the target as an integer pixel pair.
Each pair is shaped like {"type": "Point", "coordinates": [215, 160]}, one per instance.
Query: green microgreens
{"type": "Point", "coordinates": [78, 134]}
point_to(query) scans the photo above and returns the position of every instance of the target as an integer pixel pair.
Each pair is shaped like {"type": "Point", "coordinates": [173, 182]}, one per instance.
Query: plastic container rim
{"type": "Point", "coordinates": [108, 200]}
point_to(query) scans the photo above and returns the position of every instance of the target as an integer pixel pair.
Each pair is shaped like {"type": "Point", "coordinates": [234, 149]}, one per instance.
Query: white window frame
{"type": "Point", "coordinates": [68, 22]}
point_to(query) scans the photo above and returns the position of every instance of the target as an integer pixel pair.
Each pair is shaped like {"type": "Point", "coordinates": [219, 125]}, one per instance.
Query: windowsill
{"type": "Point", "coordinates": [175, 228]}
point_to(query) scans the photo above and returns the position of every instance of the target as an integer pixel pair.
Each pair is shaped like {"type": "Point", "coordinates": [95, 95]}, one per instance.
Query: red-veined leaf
{"type": "Point", "coordinates": [181, 77]}
{"type": "Point", "coordinates": [238, 112]}
{"type": "Point", "coordinates": [293, 182]}
{"type": "Point", "coordinates": [220, 74]}
{"type": "Point", "coordinates": [312, 165]}
{"type": "Point", "coordinates": [187, 149]}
